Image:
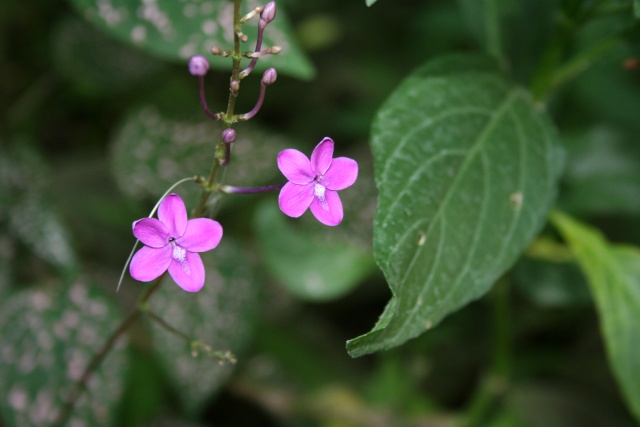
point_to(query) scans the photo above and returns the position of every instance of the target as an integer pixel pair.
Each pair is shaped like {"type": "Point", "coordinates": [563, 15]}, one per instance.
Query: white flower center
{"type": "Point", "coordinates": [319, 190]}
{"type": "Point", "coordinates": [180, 255]}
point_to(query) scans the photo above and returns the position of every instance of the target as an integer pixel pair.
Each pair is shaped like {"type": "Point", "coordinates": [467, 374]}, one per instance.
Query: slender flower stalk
{"type": "Point", "coordinates": [268, 14]}
{"type": "Point", "coordinates": [268, 78]}
{"type": "Point", "coordinates": [228, 189]}
{"type": "Point", "coordinates": [199, 66]}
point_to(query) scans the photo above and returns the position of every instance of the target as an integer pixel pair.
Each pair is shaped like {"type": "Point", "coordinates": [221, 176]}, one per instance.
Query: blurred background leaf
{"type": "Point", "coordinates": [613, 273]}
{"type": "Point", "coordinates": [311, 266]}
{"type": "Point", "coordinates": [221, 315]}
{"type": "Point", "coordinates": [50, 334]}
{"type": "Point", "coordinates": [179, 30]}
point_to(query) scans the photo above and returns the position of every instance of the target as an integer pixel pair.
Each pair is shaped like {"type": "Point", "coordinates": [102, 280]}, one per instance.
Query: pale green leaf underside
{"type": "Point", "coordinates": [467, 169]}
{"type": "Point", "coordinates": [613, 273]}
{"type": "Point", "coordinates": [309, 266]}
{"type": "Point", "coordinates": [177, 30]}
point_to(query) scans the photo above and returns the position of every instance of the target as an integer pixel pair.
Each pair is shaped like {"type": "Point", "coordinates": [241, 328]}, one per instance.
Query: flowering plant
{"type": "Point", "coordinates": [480, 168]}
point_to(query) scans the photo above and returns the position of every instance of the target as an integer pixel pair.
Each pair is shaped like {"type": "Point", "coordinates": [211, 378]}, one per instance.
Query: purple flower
{"type": "Point", "coordinates": [314, 184]}
{"type": "Point", "coordinates": [172, 242]}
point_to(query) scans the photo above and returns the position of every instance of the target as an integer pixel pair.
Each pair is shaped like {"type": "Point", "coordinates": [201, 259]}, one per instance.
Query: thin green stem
{"type": "Point", "coordinates": [576, 66]}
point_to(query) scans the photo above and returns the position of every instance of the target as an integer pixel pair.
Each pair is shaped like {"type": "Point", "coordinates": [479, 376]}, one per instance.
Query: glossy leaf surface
{"type": "Point", "coordinates": [467, 169]}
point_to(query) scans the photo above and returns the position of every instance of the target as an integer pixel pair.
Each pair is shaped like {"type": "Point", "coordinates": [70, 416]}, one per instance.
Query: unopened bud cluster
{"type": "Point", "coordinates": [199, 66]}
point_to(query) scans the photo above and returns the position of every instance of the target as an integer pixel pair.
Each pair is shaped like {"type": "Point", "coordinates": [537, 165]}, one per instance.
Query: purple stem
{"type": "Point", "coordinates": [203, 100]}
{"type": "Point", "coordinates": [261, 26]}
{"type": "Point", "coordinates": [250, 190]}
{"type": "Point", "coordinates": [256, 108]}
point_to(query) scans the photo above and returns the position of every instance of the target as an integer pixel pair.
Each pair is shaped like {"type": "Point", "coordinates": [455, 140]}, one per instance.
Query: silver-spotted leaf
{"type": "Point", "coordinates": [221, 315]}
{"type": "Point", "coordinates": [177, 30]}
{"type": "Point", "coordinates": [467, 169]}
{"type": "Point", "coordinates": [49, 335]}
{"type": "Point", "coordinates": [613, 273]}
{"type": "Point", "coordinates": [151, 152]}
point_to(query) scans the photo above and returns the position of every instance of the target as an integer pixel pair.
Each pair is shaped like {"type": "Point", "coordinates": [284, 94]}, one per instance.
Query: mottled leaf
{"type": "Point", "coordinates": [49, 335]}
{"type": "Point", "coordinates": [467, 168]}
{"type": "Point", "coordinates": [309, 264]}
{"type": "Point", "coordinates": [27, 209]}
{"type": "Point", "coordinates": [613, 273]}
{"type": "Point", "coordinates": [177, 30]}
{"type": "Point", "coordinates": [220, 315]}
{"type": "Point", "coordinates": [151, 152]}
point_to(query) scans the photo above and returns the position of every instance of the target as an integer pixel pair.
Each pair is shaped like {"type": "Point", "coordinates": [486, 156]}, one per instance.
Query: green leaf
{"type": "Point", "coordinates": [314, 266]}
{"type": "Point", "coordinates": [177, 30]}
{"type": "Point", "coordinates": [30, 218]}
{"type": "Point", "coordinates": [613, 273]}
{"type": "Point", "coordinates": [467, 169]}
{"type": "Point", "coordinates": [48, 337]}
{"type": "Point", "coordinates": [151, 152]}
{"type": "Point", "coordinates": [96, 62]}
{"type": "Point", "coordinates": [371, 2]}
{"type": "Point", "coordinates": [636, 8]}
{"type": "Point", "coordinates": [220, 315]}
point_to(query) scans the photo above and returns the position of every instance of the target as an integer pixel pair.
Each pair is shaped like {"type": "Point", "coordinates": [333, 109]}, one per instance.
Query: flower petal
{"type": "Point", "coordinates": [342, 174]}
{"type": "Point", "coordinates": [295, 166]}
{"type": "Point", "coordinates": [295, 199]}
{"type": "Point", "coordinates": [149, 263]}
{"type": "Point", "coordinates": [188, 274]}
{"type": "Point", "coordinates": [322, 156]}
{"type": "Point", "coordinates": [329, 211]}
{"type": "Point", "coordinates": [151, 232]}
{"type": "Point", "coordinates": [173, 214]}
{"type": "Point", "coordinates": [202, 234]}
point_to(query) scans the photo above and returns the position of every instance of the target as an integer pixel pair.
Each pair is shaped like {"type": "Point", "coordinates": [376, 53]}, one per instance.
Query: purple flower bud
{"type": "Point", "coordinates": [229, 135]}
{"type": "Point", "coordinates": [269, 12]}
{"type": "Point", "coordinates": [198, 65]}
{"type": "Point", "coordinates": [269, 76]}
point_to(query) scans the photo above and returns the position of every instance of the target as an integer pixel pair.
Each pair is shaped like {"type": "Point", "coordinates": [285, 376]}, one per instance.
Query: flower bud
{"type": "Point", "coordinates": [235, 87]}
{"type": "Point", "coordinates": [269, 76]}
{"type": "Point", "coordinates": [269, 12]}
{"type": "Point", "coordinates": [198, 65]}
{"type": "Point", "coordinates": [229, 135]}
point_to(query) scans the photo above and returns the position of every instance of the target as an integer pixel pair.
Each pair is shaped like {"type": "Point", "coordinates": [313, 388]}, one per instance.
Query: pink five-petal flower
{"type": "Point", "coordinates": [315, 183]}
{"type": "Point", "coordinates": [172, 242]}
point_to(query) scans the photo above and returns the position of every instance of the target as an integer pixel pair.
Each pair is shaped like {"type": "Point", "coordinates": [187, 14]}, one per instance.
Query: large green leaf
{"type": "Point", "coordinates": [310, 265]}
{"type": "Point", "coordinates": [613, 273]}
{"type": "Point", "coordinates": [221, 316]}
{"type": "Point", "coordinates": [177, 30]}
{"type": "Point", "coordinates": [467, 168]}
{"type": "Point", "coordinates": [49, 335]}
